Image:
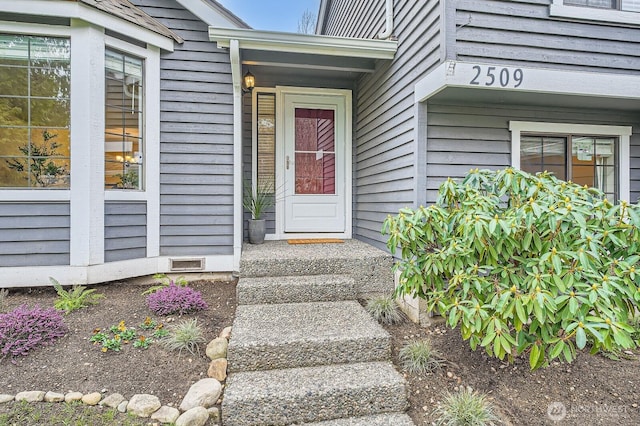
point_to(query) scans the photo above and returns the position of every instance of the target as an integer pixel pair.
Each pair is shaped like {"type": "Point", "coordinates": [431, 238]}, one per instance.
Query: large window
{"type": "Point", "coordinates": [585, 160]}
{"type": "Point", "coordinates": [34, 111]}
{"type": "Point", "coordinates": [627, 5]}
{"type": "Point", "coordinates": [123, 121]}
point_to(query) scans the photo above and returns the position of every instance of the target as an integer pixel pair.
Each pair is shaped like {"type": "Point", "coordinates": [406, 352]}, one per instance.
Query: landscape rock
{"type": "Point", "coordinates": [166, 414]}
{"type": "Point", "coordinates": [196, 416]}
{"type": "Point", "coordinates": [217, 348]}
{"type": "Point", "coordinates": [92, 398]}
{"type": "Point", "coordinates": [30, 396]}
{"type": "Point", "coordinates": [53, 397]}
{"type": "Point", "coordinates": [112, 401]}
{"type": "Point", "coordinates": [226, 333]}
{"type": "Point", "coordinates": [218, 369]}
{"type": "Point", "coordinates": [73, 396]}
{"type": "Point", "coordinates": [203, 393]}
{"type": "Point", "coordinates": [143, 405]}
{"type": "Point", "coordinates": [4, 398]}
{"type": "Point", "coordinates": [122, 407]}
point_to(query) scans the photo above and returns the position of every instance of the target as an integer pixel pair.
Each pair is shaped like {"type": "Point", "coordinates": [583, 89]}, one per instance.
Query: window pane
{"type": "Point", "coordinates": [605, 4]}
{"type": "Point", "coordinates": [123, 121]}
{"type": "Point", "coordinates": [266, 129]}
{"type": "Point", "coordinates": [315, 173]}
{"type": "Point", "coordinates": [34, 111]}
{"type": "Point", "coordinates": [543, 153]}
{"type": "Point", "coordinates": [631, 5]}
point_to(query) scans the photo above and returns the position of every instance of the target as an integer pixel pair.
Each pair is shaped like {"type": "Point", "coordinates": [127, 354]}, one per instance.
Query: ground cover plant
{"type": "Point", "coordinates": [175, 299]}
{"type": "Point", "coordinates": [523, 264]}
{"type": "Point", "coordinates": [24, 329]}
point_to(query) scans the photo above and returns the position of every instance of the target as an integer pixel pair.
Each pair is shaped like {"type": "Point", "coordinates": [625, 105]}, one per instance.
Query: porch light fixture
{"type": "Point", "coordinates": [249, 82]}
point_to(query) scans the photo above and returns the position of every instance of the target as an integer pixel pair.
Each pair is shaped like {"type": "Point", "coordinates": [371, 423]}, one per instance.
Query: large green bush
{"type": "Point", "coordinates": [523, 264]}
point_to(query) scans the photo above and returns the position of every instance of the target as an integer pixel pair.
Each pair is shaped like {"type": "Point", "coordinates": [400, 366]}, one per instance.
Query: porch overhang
{"type": "Point", "coordinates": [305, 51]}
{"type": "Point", "coordinates": [455, 81]}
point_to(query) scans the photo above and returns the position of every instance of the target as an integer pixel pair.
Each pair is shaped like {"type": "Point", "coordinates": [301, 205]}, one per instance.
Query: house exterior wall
{"type": "Point", "coordinates": [461, 137]}
{"type": "Point", "coordinates": [125, 230]}
{"type": "Point", "coordinates": [196, 138]}
{"type": "Point", "coordinates": [34, 234]}
{"type": "Point", "coordinates": [384, 149]}
{"type": "Point", "coordinates": [523, 33]}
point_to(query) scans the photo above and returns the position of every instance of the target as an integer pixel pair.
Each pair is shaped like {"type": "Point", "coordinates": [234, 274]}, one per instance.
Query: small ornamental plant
{"type": "Point", "coordinates": [175, 299]}
{"type": "Point", "coordinates": [77, 297]}
{"type": "Point", "coordinates": [524, 265]}
{"type": "Point", "coordinates": [384, 310]}
{"type": "Point", "coordinates": [164, 282]}
{"type": "Point", "coordinates": [24, 329]}
{"type": "Point", "coordinates": [119, 335]}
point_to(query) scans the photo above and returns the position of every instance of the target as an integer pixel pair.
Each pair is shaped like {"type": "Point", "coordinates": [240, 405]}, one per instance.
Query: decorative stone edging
{"type": "Point", "coordinates": [196, 408]}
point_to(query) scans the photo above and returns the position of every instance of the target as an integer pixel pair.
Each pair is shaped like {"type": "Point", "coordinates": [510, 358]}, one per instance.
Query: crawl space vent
{"type": "Point", "coordinates": [187, 264]}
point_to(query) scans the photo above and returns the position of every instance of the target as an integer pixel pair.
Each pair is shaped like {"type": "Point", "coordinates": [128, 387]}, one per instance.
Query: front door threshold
{"type": "Point", "coordinates": [307, 235]}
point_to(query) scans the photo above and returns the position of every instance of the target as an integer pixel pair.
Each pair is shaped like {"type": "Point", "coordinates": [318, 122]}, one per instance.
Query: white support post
{"type": "Point", "coordinates": [236, 75]}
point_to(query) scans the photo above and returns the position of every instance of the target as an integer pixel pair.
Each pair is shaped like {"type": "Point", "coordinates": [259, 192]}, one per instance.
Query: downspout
{"type": "Point", "coordinates": [236, 72]}
{"type": "Point", "coordinates": [388, 30]}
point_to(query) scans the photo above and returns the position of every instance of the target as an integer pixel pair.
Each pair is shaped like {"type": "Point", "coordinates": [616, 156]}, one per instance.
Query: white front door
{"type": "Point", "coordinates": [316, 133]}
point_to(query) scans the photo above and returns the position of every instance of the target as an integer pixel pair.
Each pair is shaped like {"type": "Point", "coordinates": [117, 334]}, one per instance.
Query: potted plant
{"type": "Point", "coordinates": [256, 201]}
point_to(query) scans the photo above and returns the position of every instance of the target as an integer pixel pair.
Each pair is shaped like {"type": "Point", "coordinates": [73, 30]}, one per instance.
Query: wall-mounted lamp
{"type": "Point", "coordinates": [249, 82]}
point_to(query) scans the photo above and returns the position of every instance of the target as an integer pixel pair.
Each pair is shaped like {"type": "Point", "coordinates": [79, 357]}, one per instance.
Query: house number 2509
{"type": "Point", "coordinates": [504, 77]}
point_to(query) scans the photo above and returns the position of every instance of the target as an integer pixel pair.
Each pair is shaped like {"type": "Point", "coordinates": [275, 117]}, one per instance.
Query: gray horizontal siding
{"type": "Point", "coordinates": [464, 137]}
{"type": "Point", "coordinates": [196, 139]}
{"type": "Point", "coordinates": [522, 33]}
{"type": "Point", "coordinates": [34, 234]}
{"type": "Point", "coordinates": [384, 149]}
{"type": "Point", "coordinates": [125, 230]}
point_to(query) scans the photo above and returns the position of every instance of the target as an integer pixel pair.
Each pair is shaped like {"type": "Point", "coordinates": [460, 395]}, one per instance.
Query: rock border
{"type": "Point", "coordinates": [197, 407]}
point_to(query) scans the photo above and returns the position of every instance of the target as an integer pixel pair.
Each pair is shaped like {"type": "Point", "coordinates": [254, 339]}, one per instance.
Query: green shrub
{"type": "Point", "coordinates": [384, 310]}
{"type": "Point", "coordinates": [165, 281]}
{"type": "Point", "coordinates": [77, 298]}
{"type": "Point", "coordinates": [186, 335]}
{"type": "Point", "coordinates": [420, 357]}
{"type": "Point", "coordinates": [523, 264]}
{"type": "Point", "coordinates": [464, 408]}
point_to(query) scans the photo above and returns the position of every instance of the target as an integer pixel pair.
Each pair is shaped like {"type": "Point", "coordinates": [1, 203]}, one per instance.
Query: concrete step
{"type": "Point", "coordinates": [370, 267]}
{"type": "Point", "coordinates": [312, 394]}
{"type": "Point", "coordinates": [303, 335]}
{"type": "Point", "coordinates": [394, 419]}
{"type": "Point", "coordinates": [296, 289]}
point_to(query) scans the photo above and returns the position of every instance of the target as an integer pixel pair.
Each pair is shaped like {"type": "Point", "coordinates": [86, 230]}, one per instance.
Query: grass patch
{"type": "Point", "coordinates": [420, 357]}
{"type": "Point", "coordinates": [186, 335]}
{"type": "Point", "coordinates": [64, 414]}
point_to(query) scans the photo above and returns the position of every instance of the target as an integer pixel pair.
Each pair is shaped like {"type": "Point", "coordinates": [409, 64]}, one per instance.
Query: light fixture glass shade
{"type": "Point", "coordinates": [249, 81]}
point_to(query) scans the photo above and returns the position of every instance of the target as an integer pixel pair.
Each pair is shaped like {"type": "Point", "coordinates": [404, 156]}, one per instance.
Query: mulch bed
{"type": "Point", "coordinates": [73, 363]}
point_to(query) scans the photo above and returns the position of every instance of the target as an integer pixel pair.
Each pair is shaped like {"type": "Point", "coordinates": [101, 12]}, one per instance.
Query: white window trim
{"type": "Point", "coordinates": [86, 194]}
{"type": "Point", "coordinates": [623, 133]}
{"type": "Point", "coordinates": [559, 9]}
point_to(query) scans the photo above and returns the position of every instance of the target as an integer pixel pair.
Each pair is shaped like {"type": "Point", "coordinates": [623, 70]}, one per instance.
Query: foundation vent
{"type": "Point", "coordinates": [196, 264]}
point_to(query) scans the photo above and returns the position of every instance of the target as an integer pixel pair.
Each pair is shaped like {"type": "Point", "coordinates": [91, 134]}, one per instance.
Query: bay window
{"type": "Point", "coordinates": [35, 112]}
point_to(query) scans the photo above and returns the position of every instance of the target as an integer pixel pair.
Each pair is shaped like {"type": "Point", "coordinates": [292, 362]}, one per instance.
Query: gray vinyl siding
{"type": "Point", "coordinates": [196, 140]}
{"type": "Point", "coordinates": [522, 33]}
{"type": "Point", "coordinates": [34, 234]}
{"type": "Point", "coordinates": [125, 230]}
{"type": "Point", "coordinates": [384, 149]}
{"type": "Point", "coordinates": [464, 137]}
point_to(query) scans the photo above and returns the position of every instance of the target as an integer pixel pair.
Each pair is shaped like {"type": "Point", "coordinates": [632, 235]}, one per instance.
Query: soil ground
{"type": "Point", "coordinates": [594, 390]}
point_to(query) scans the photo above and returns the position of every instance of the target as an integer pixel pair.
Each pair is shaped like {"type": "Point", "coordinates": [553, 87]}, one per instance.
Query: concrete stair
{"type": "Point", "coordinates": [302, 350]}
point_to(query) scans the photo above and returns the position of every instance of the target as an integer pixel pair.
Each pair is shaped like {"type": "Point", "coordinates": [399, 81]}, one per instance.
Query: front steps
{"type": "Point", "coordinates": [303, 351]}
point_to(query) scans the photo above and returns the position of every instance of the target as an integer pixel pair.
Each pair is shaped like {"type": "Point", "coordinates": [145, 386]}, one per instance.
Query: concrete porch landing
{"type": "Point", "coordinates": [369, 266]}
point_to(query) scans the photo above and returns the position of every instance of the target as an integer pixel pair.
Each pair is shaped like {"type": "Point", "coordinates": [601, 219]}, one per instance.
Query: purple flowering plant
{"type": "Point", "coordinates": [24, 329]}
{"type": "Point", "coordinates": [175, 299]}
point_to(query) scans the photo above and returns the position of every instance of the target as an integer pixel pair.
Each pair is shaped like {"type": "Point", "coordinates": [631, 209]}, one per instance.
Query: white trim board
{"type": "Point", "coordinates": [537, 80]}
{"type": "Point", "coordinates": [304, 43]}
{"type": "Point", "coordinates": [39, 275]}
{"type": "Point", "coordinates": [623, 133]}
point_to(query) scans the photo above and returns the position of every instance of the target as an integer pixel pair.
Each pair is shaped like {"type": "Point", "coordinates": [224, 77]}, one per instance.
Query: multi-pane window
{"type": "Point", "coordinates": [124, 123]}
{"type": "Point", "coordinates": [35, 79]}
{"type": "Point", "coordinates": [583, 159]}
{"type": "Point", "coordinates": [627, 5]}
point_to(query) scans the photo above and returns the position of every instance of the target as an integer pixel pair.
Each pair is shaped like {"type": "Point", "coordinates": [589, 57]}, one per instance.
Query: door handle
{"type": "Point", "coordinates": [287, 162]}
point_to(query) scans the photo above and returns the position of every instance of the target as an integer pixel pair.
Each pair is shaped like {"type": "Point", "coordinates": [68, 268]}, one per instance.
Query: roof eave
{"type": "Point", "coordinates": [305, 43]}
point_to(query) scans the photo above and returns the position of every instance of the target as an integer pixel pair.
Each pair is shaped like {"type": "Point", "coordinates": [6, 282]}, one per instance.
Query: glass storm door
{"type": "Point", "coordinates": [315, 138]}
